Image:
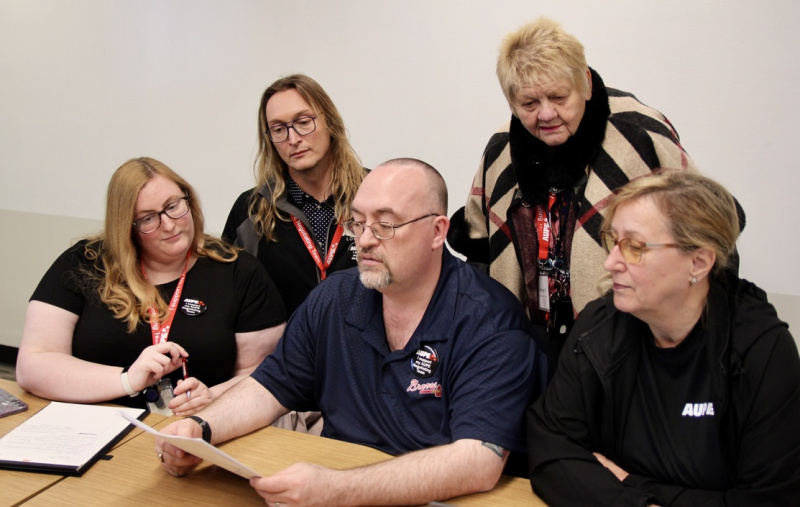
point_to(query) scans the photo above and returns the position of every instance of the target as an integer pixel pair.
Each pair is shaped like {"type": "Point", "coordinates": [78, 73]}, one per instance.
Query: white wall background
{"type": "Point", "coordinates": [88, 84]}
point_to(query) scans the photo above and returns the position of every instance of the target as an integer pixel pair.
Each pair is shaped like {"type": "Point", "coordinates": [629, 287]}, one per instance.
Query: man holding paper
{"type": "Point", "coordinates": [415, 353]}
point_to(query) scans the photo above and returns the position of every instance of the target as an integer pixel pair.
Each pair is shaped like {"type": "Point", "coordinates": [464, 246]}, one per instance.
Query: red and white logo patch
{"type": "Point", "coordinates": [434, 388]}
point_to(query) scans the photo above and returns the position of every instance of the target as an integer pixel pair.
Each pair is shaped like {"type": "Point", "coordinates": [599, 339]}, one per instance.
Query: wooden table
{"type": "Point", "coordinates": [16, 487]}
{"type": "Point", "coordinates": [133, 475]}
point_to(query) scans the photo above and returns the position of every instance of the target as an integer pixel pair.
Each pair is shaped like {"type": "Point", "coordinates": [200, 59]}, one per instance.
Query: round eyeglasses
{"type": "Point", "coordinates": [630, 249]}
{"type": "Point", "coordinates": [381, 230]}
{"type": "Point", "coordinates": [152, 221]}
{"type": "Point", "coordinates": [303, 126]}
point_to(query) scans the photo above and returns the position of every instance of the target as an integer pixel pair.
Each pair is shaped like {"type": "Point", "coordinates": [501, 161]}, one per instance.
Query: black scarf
{"type": "Point", "coordinates": [539, 167]}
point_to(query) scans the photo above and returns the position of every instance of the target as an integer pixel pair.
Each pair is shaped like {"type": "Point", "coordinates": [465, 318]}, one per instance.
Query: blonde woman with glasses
{"type": "Point", "coordinates": [152, 310]}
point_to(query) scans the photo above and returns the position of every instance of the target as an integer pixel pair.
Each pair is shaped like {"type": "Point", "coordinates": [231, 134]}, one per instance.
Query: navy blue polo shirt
{"type": "Point", "coordinates": [470, 369]}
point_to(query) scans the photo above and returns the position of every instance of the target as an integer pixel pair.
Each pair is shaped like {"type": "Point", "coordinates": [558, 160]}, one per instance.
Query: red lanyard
{"type": "Point", "coordinates": [312, 248]}
{"type": "Point", "coordinates": [161, 333]}
{"type": "Point", "coordinates": [543, 226]}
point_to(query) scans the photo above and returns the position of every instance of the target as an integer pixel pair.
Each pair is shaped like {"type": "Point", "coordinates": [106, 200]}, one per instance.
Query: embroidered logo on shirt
{"type": "Point", "coordinates": [434, 388]}
{"type": "Point", "coordinates": [698, 410]}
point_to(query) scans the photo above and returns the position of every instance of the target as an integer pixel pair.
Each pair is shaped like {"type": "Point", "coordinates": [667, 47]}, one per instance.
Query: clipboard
{"type": "Point", "coordinates": [65, 438]}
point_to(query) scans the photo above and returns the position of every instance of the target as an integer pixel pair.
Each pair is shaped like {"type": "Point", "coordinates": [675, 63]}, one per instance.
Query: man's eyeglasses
{"type": "Point", "coordinates": [381, 230]}
{"type": "Point", "coordinates": [630, 249]}
{"type": "Point", "coordinates": [303, 126]}
{"type": "Point", "coordinates": [152, 221]}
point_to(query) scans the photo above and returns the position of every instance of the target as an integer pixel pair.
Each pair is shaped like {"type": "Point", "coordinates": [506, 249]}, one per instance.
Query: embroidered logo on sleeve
{"type": "Point", "coordinates": [434, 388]}
{"type": "Point", "coordinates": [698, 410]}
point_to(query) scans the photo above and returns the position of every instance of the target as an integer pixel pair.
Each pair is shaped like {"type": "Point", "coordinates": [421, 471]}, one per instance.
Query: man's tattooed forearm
{"type": "Point", "coordinates": [502, 453]}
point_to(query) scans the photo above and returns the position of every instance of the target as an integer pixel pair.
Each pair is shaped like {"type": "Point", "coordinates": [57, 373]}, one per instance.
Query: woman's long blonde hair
{"type": "Point", "coordinates": [271, 170]}
{"type": "Point", "coordinates": [118, 276]}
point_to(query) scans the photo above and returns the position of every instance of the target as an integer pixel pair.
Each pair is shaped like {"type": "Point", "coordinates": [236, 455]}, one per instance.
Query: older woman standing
{"type": "Point", "coordinates": [118, 312]}
{"type": "Point", "coordinates": [534, 211]}
{"type": "Point", "coordinates": [680, 386]}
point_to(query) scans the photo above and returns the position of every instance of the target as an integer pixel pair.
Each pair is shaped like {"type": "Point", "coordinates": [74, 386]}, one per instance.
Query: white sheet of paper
{"type": "Point", "coordinates": [68, 434]}
{"type": "Point", "coordinates": [199, 448]}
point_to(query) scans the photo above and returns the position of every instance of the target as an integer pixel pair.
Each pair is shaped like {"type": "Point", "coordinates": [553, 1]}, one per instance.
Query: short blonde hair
{"type": "Point", "coordinates": [700, 212]}
{"type": "Point", "coordinates": [538, 53]}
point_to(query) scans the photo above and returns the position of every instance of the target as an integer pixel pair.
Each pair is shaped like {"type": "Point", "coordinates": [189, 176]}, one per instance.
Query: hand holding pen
{"type": "Point", "coordinates": [153, 363]}
{"type": "Point", "coordinates": [197, 394]}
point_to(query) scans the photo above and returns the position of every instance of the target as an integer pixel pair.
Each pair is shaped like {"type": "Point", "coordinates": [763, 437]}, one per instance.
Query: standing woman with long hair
{"type": "Point", "coordinates": [307, 175]}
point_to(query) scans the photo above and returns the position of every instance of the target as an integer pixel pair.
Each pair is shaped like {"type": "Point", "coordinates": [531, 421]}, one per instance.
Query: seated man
{"type": "Point", "coordinates": [414, 351]}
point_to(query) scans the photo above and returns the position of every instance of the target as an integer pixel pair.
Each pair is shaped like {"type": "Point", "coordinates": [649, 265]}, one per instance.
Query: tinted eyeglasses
{"type": "Point", "coordinates": [630, 249]}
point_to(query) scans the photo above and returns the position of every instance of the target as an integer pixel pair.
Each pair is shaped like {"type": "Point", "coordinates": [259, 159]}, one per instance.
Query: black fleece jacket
{"type": "Point", "coordinates": [755, 372]}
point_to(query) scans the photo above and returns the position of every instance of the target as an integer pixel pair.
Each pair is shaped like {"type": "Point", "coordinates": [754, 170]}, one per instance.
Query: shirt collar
{"type": "Point", "coordinates": [295, 192]}
{"type": "Point", "coordinates": [367, 314]}
{"type": "Point", "coordinates": [300, 197]}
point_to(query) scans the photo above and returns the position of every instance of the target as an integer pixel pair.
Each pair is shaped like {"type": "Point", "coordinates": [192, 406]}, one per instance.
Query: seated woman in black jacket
{"type": "Point", "coordinates": [680, 386]}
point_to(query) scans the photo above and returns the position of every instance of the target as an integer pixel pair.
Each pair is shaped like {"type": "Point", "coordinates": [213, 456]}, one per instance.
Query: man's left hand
{"type": "Point", "coordinates": [302, 484]}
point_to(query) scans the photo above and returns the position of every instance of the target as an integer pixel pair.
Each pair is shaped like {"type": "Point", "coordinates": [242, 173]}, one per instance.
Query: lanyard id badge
{"type": "Point", "coordinates": [544, 292]}
{"type": "Point", "coordinates": [543, 231]}
{"type": "Point", "coordinates": [160, 394]}
{"type": "Point", "coordinates": [158, 397]}
{"type": "Point", "coordinates": [312, 248]}
{"type": "Point", "coordinates": [161, 333]}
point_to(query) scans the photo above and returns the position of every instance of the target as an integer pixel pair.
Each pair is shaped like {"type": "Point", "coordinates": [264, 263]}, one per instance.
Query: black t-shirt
{"type": "Point", "coordinates": [672, 432]}
{"type": "Point", "coordinates": [218, 300]}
